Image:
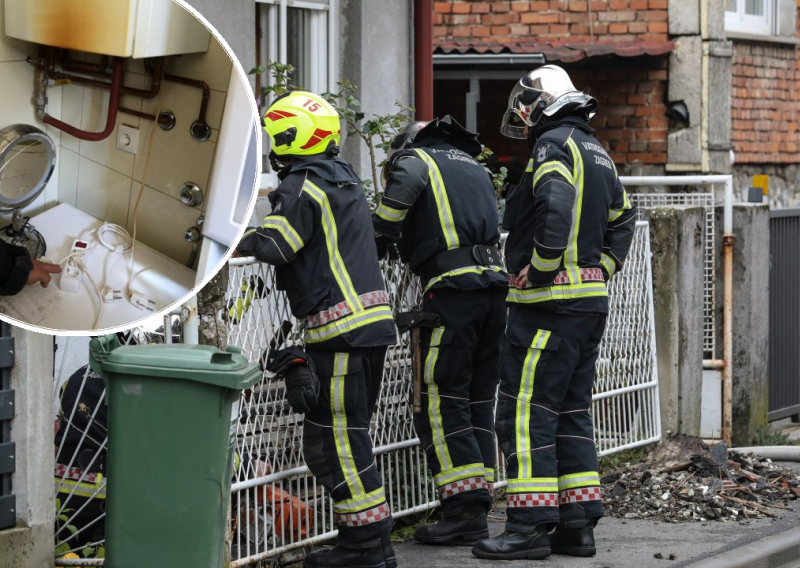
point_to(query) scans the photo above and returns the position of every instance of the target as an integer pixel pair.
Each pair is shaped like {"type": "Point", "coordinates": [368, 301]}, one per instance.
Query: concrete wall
{"type": "Point", "coordinates": [677, 239]}
{"type": "Point", "coordinates": [376, 53]}
{"type": "Point", "coordinates": [750, 317]}
{"type": "Point", "coordinates": [30, 544]}
{"type": "Point", "coordinates": [232, 19]}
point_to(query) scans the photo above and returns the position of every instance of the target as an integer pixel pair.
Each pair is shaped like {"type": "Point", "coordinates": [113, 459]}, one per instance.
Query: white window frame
{"type": "Point", "coordinates": [320, 57]}
{"type": "Point", "coordinates": [738, 21]}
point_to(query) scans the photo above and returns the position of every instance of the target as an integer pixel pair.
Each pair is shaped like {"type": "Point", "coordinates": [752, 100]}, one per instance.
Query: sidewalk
{"type": "Point", "coordinates": [634, 543]}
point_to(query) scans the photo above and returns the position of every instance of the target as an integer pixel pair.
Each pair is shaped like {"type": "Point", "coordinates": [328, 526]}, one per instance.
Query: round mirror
{"type": "Point", "coordinates": [27, 160]}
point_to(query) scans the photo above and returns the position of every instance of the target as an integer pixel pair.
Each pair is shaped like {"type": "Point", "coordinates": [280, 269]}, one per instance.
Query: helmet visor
{"type": "Point", "coordinates": [513, 125]}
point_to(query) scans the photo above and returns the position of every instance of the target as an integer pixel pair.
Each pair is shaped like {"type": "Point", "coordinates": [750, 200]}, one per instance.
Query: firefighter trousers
{"type": "Point", "coordinates": [543, 425]}
{"type": "Point", "coordinates": [460, 377]}
{"type": "Point", "coordinates": [337, 446]}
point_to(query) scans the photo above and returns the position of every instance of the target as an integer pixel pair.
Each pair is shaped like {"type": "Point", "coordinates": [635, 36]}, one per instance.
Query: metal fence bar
{"type": "Point", "coordinates": [625, 408]}
{"type": "Point", "coordinates": [784, 314]}
{"type": "Point", "coordinates": [278, 507]}
{"type": "Point", "coordinates": [8, 515]}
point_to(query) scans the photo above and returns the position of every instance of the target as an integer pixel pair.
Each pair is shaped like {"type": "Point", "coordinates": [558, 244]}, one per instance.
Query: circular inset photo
{"type": "Point", "coordinates": [129, 155]}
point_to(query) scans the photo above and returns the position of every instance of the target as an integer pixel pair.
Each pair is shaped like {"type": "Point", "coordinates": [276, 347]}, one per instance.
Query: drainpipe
{"type": "Point", "coordinates": [111, 120]}
{"type": "Point", "coordinates": [423, 59]}
{"type": "Point", "coordinates": [727, 314]}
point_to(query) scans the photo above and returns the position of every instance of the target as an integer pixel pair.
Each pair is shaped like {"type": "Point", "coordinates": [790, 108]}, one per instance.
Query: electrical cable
{"type": "Point", "coordinates": [141, 186]}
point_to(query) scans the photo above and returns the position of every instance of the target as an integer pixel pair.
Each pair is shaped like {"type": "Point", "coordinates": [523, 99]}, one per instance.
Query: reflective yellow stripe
{"type": "Point", "coordinates": [442, 203]}
{"type": "Point", "coordinates": [343, 449]}
{"type": "Point", "coordinates": [565, 292]}
{"type": "Point", "coordinates": [608, 263]}
{"type": "Point", "coordinates": [332, 241]}
{"type": "Point", "coordinates": [390, 214]}
{"type": "Point", "coordinates": [614, 214]}
{"type": "Point", "coordinates": [550, 167]}
{"type": "Point", "coordinates": [529, 167]}
{"type": "Point", "coordinates": [460, 271]}
{"type": "Point", "coordinates": [582, 479]}
{"type": "Point", "coordinates": [435, 402]}
{"type": "Point", "coordinates": [571, 254]}
{"type": "Point", "coordinates": [82, 489]}
{"type": "Point", "coordinates": [544, 264]}
{"type": "Point", "coordinates": [248, 233]}
{"type": "Point", "coordinates": [533, 485]}
{"type": "Point", "coordinates": [489, 474]}
{"type": "Point", "coordinates": [288, 233]}
{"type": "Point", "coordinates": [349, 323]}
{"type": "Point", "coordinates": [524, 400]}
{"type": "Point", "coordinates": [367, 501]}
{"type": "Point", "coordinates": [461, 472]}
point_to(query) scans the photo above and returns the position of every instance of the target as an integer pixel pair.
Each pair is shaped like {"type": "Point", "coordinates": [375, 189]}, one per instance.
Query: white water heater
{"type": "Point", "coordinates": [121, 28]}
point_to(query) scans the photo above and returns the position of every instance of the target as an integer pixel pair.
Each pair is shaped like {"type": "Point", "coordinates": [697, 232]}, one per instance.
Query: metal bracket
{"type": "Point", "coordinates": [8, 513]}
{"type": "Point", "coordinates": [6, 405]}
{"type": "Point", "coordinates": [7, 453]}
{"type": "Point", "coordinates": [6, 352]}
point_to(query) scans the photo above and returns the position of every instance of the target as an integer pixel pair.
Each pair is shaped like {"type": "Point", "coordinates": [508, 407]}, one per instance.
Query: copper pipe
{"type": "Point", "coordinates": [423, 59]}
{"type": "Point", "coordinates": [727, 338]}
{"type": "Point", "coordinates": [155, 84]}
{"type": "Point", "coordinates": [84, 67]}
{"type": "Point", "coordinates": [193, 83]}
{"type": "Point", "coordinates": [111, 120]}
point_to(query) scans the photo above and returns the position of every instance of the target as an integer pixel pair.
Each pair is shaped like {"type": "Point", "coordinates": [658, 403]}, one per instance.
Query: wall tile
{"type": "Point", "coordinates": [104, 152]}
{"type": "Point", "coordinates": [213, 67]}
{"type": "Point", "coordinates": [68, 162]}
{"type": "Point", "coordinates": [71, 113]}
{"type": "Point", "coordinates": [174, 160]}
{"type": "Point", "coordinates": [13, 49]}
{"type": "Point", "coordinates": [161, 222]}
{"type": "Point", "coordinates": [16, 89]}
{"type": "Point", "coordinates": [51, 189]}
{"type": "Point", "coordinates": [185, 102]}
{"type": "Point", "coordinates": [102, 192]}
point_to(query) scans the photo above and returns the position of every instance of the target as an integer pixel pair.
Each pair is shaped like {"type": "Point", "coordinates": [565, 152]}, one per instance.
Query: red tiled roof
{"type": "Point", "coordinates": [558, 51]}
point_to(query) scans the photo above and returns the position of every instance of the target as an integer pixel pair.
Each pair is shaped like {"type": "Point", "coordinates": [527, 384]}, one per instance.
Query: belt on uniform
{"type": "Point", "coordinates": [476, 255]}
{"type": "Point", "coordinates": [587, 275]}
{"type": "Point", "coordinates": [341, 309]}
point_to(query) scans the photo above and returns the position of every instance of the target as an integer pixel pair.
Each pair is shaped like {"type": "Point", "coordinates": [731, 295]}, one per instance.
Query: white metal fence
{"type": "Point", "coordinates": [705, 200]}
{"type": "Point", "coordinates": [277, 506]}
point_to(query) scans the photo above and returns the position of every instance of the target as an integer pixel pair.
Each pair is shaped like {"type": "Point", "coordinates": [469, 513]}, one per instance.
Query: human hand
{"type": "Point", "coordinates": [522, 278]}
{"type": "Point", "coordinates": [41, 272]}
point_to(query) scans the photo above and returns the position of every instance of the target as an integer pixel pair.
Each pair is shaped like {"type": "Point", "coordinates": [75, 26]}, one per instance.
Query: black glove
{"type": "Point", "coordinates": [409, 320]}
{"type": "Point", "coordinates": [299, 374]}
{"type": "Point", "coordinates": [386, 246]}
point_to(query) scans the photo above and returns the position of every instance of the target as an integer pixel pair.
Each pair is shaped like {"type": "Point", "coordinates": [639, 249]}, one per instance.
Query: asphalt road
{"type": "Point", "coordinates": [631, 543]}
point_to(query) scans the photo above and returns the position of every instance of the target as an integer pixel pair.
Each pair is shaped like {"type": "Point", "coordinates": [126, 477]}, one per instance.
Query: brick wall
{"type": "Point", "coordinates": [550, 20]}
{"type": "Point", "coordinates": [765, 109]}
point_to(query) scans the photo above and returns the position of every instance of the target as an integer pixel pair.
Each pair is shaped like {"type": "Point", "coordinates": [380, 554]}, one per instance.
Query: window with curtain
{"type": "Point", "coordinates": [303, 34]}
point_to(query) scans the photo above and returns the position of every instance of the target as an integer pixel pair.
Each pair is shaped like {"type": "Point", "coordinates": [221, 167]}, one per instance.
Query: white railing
{"type": "Point", "coordinates": [277, 506]}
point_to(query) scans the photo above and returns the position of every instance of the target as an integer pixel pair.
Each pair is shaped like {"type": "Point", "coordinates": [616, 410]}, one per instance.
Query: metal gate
{"type": "Point", "coordinates": [8, 516]}
{"type": "Point", "coordinates": [784, 314]}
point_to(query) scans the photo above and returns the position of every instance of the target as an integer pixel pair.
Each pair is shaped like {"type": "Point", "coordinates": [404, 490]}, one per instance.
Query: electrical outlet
{"type": "Point", "coordinates": [128, 138]}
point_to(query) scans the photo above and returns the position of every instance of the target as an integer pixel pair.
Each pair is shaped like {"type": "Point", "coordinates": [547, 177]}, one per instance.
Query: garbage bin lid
{"type": "Point", "coordinates": [199, 363]}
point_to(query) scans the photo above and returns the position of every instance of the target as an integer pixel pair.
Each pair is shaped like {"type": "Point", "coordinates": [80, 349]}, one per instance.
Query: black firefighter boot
{"type": "Point", "coordinates": [463, 529]}
{"type": "Point", "coordinates": [515, 545]}
{"type": "Point", "coordinates": [379, 555]}
{"type": "Point", "coordinates": [574, 541]}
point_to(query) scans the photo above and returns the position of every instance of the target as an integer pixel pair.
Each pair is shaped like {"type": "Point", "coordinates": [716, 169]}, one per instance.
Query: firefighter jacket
{"type": "Point", "coordinates": [319, 237]}
{"type": "Point", "coordinates": [439, 199]}
{"type": "Point", "coordinates": [569, 220]}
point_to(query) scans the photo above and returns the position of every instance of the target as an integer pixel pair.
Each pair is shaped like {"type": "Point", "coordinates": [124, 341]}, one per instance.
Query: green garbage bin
{"type": "Point", "coordinates": [173, 412]}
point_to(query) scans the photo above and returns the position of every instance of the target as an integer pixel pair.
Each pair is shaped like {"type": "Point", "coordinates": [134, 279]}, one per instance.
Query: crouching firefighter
{"type": "Point", "coordinates": [439, 205]}
{"type": "Point", "coordinates": [319, 237]}
{"type": "Point", "coordinates": [570, 227]}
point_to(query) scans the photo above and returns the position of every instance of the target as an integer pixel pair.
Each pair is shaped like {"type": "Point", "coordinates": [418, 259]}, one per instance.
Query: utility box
{"type": "Point", "coordinates": [121, 28]}
{"type": "Point", "coordinates": [173, 413]}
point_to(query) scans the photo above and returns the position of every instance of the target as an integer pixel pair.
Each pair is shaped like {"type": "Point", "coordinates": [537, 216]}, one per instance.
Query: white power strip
{"type": "Point", "coordinates": [72, 275]}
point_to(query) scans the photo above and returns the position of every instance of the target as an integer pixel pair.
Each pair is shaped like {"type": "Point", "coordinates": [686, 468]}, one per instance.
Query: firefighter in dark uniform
{"type": "Point", "coordinates": [319, 237]}
{"type": "Point", "coordinates": [440, 206]}
{"type": "Point", "coordinates": [570, 227]}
